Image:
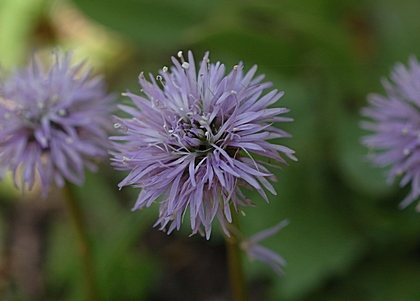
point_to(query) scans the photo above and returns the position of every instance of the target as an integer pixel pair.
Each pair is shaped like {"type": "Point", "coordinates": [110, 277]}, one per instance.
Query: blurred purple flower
{"type": "Point", "coordinates": [255, 251]}
{"type": "Point", "coordinates": [190, 140]}
{"type": "Point", "coordinates": [52, 122]}
{"type": "Point", "coordinates": [396, 127]}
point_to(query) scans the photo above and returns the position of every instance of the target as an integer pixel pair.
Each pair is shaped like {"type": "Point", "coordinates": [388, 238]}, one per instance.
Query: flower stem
{"type": "Point", "coordinates": [75, 212]}
{"type": "Point", "coordinates": [234, 258]}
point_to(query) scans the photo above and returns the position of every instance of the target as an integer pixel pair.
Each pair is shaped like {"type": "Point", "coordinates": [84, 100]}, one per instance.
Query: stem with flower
{"type": "Point", "coordinates": [234, 258]}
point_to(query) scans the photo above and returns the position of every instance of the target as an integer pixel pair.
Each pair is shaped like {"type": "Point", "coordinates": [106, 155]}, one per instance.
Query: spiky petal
{"type": "Point", "coordinates": [395, 125]}
{"type": "Point", "coordinates": [192, 141]}
{"type": "Point", "coordinates": [52, 122]}
{"type": "Point", "coordinates": [255, 251]}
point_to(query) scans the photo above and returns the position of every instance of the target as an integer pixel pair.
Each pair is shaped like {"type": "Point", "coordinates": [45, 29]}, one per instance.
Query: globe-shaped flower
{"type": "Point", "coordinates": [52, 122]}
{"type": "Point", "coordinates": [396, 126]}
{"type": "Point", "coordinates": [196, 139]}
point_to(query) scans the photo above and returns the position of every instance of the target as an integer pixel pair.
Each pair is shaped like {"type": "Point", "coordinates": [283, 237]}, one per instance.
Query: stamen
{"type": "Point", "coordinates": [159, 78]}
{"type": "Point", "coordinates": [181, 57]}
{"type": "Point", "coordinates": [185, 65]}
{"type": "Point", "coordinates": [124, 160]}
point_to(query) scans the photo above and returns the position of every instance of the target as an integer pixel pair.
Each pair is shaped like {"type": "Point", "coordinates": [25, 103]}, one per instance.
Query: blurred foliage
{"type": "Point", "coordinates": [347, 239]}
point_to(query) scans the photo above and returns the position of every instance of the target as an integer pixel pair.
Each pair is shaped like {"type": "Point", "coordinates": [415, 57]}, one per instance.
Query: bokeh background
{"type": "Point", "coordinates": [347, 239]}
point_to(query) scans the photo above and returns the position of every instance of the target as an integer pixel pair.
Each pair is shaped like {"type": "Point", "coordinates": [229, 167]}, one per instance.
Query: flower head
{"type": "Point", "coordinates": [255, 251]}
{"type": "Point", "coordinates": [396, 126]}
{"type": "Point", "coordinates": [52, 122]}
{"type": "Point", "coordinates": [196, 138]}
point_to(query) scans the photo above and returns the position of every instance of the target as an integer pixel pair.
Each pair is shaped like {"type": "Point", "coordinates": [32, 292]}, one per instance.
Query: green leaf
{"type": "Point", "coordinates": [397, 30]}
{"type": "Point", "coordinates": [356, 170]}
{"type": "Point", "coordinates": [387, 276]}
{"type": "Point", "coordinates": [318, 243]}
{"type": "Point", "coordinates": [147, 22]}
{"type": "Point", "coordinates": [259, 48]}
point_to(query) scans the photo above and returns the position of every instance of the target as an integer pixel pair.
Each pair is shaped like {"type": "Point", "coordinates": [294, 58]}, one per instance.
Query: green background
{"type": "Point", "coordinates": [347, 239]}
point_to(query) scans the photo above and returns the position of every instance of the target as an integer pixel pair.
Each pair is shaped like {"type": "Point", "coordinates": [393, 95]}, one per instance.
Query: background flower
{"type": "Point", "coordinates": [396, 127]}
{"type": "Point", "coordinates": [52, 122]}
{"type": "Point", "coordinates": [196, 138]}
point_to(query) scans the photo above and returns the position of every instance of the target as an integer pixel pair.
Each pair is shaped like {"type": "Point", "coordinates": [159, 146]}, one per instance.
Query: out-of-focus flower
{"type": "Point", "coordinates": [255, 251]}
{"type": "Point", "coordinates": [396, 127]}
{"type": "Point", "coordinates": [196, 138]}
{"type": "Point", "coordinates": [52, 122]}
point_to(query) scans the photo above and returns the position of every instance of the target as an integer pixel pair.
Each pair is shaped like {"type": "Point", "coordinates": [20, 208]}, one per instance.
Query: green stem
{"type": "Point", "coordinates": [75, 212]}
{"type": "Point", "coordinates": [234, 258]}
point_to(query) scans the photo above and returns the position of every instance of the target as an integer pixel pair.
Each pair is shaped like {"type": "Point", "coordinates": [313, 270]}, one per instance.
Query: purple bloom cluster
{"type": "Point", "coordinates": [396, 126]}
{"type": "Point", "coordinates": [196, 138]}
{"type": "Point", "coordinates": [52, 122]}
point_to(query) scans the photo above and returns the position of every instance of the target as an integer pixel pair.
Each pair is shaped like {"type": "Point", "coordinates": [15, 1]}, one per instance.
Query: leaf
{"type": "Point", "coordinates": [357, 171]}
{"type": "Point", "coordinates": [397, 27]}
{"type": "Point", "coordinates": [148, 23]}
{"type": "Point", "coordinates": [318, 243]}
{"type": "Point", "coordinates": [321, 240]}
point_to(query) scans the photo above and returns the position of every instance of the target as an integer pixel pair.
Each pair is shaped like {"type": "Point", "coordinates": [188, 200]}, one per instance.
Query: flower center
{"type": "Point", "coordinates": [192, 133]}
{"type": "Point", "coordinates": [195, 133]}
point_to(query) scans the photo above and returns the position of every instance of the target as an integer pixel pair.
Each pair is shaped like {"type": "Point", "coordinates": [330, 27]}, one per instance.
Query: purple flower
{"type": "Point", "coordinates": [396, 126]}
{"type": "Point", "coordinates": [52, 122]}
{"type": "Point", "coordinates": [254, 251]}
{"type": "Point", "coordinates": [196, 138]}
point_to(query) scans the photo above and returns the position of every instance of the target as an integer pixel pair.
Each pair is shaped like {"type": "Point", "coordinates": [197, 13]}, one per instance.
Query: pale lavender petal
{"type": "Point", "coordinates": [270, 232]}
{"type": "Point", "coordinates": [255, 251]}
{"type": "Point", "coordinates": [395, 140]}
{"type": "Point", "coordinates": [268, 256]}
{"type": "Point", "coordinates": [191, 137]}
{"type": "Point", "coordinates": [53, 122]}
